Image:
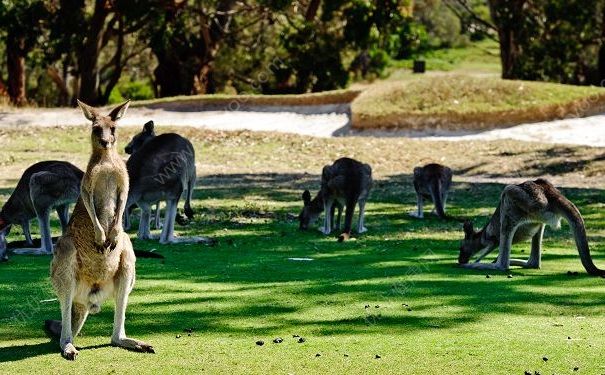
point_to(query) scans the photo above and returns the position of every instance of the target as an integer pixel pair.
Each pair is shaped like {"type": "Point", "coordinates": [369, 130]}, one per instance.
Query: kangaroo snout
{"type": "Point", "coordinates": [104, 143]}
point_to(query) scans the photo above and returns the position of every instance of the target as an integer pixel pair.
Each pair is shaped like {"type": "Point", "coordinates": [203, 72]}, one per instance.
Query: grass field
{"type": "Point", "coordinates": [470, 102]}
{"type": "Point", "coordinates": [394, 292]}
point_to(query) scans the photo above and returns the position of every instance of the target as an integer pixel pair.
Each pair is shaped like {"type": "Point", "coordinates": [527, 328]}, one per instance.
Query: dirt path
{"type": "Point", "coordinates": [318, 121]}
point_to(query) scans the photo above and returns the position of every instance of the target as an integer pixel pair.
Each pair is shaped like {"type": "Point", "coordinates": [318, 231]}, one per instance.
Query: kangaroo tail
{"type": "Point", "coordinates": [435, 189]}
{"type": "Point", "coordinates": [576, 222]}
{"type": "Point", "coordinates": [190, 187]}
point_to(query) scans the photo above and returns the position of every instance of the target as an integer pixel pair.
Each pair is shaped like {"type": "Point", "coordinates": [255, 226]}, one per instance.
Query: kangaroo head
{"type": "Point", "coordinates": [471, 243]}
{"type": "Point", "coordinates": [140, 139]}
{"type": "Point", "coordinates": [103, 135]}
{"type": "Point", "coordinates": [309, 212]}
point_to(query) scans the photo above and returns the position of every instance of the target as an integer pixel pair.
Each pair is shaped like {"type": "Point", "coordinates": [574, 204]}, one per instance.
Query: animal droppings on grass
{"type": "Point", "coordinates": [409, 309]}
{"type": "Point", "coordinates": [509, 276]}
{"type": "Point", "coordinates": [301, 340]}
{"type": "Point", "coordinates": [576, 368]}
{"type": "Point", "coordinates": [260, 343]}
{"type": "Point", "coordinates": [346, 355]}
{"type": "Point", "coordinates": [569, 337]}
{"type": "Point", "coordinates": [278, 340]}
{"type": "Point", "coordinates": [377, 357]}
{"type": "Point", "coordinates": [527, 373]}
{"type": "Point", "coordinates": [377, 306]}
{"type": "Point", "coordinates": [545, 358]}
{"type": "Point", "coordinates": [317, 355]}
{"type": "Point", "coordinates": [367, 306]}
{"type": "Point", "coordinates": [295, 336]}
{"type": "Point", "coordinates": [487, 276]}
{"type": "Point", "coordinates": [178, 336]}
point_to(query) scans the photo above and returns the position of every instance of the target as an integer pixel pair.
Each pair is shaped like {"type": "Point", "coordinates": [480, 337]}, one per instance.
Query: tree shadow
{"type": "Point", "coordinates": [249, 283]}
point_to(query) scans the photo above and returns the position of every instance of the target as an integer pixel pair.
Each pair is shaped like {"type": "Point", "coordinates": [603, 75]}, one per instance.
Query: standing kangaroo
{"type": "Point", "coordinates": [161, 168]}
{"type": "Point", "coordinates": [432, 182]}
{"type": "Point", "coordinates": [522, 214]}
{"type": "Point", "coordinates": [44, 186]}
{"type": "Point", "coordinates": [346, 182]}
{"type": "Point", "coordinates": [95, 259]}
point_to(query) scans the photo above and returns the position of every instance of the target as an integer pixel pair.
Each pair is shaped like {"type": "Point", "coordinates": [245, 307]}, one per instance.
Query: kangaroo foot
{"type": "Point", "coordinates": [132, 344]}
{"type": "Point", "coordinates": [32, 251]}
{"type": "Point", "coordinates": [69, 352]}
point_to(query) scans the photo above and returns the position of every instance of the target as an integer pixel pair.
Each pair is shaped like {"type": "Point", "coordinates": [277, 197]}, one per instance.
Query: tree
{"type": "Point", "coordinates": [185, 39]}
{"type": "Point", "coordinates": [23, 24]}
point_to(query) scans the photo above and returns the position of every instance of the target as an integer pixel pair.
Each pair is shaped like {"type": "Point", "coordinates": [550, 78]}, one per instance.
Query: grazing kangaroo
{"type": "Point", "coordinates": [44, 186]}
{"type": "Point", "coordinates": [523, 212]}
{"type": "Point", "coordinates": [95, 259]}
{"type": "Point", "coordinates": [432, 182]}
{"type": "Point", "coordinates": [135, 143]}
{"type": "Point", "coordinates": [346, 182]}
{"type": "Point", "coordinates": [161, 168]}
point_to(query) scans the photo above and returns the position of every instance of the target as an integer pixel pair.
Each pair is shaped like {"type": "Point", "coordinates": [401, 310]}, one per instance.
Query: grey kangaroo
{"type": "Point", "coordinates": [43, 187]}
{"type": "Point", "coordinates": [432, 182]}
{"type": "Point", "coordinates": [94, 260]}
{"type": "Point", "coordinates": [347, 183]}
{"type": "Point", "coordinates": [522, 214]}
{"type": "Point", "coordinates": [161, 167]}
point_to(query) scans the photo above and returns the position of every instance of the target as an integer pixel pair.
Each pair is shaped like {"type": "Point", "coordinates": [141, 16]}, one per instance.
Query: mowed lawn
{"type": "Point", "coordinates": [392, 300]}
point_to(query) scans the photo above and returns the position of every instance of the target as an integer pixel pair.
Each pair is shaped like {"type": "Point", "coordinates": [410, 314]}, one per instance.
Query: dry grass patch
{"type": "Point", "coordinates": [235, 102]}
{"type": "Point", "coordinates": [453, 102]}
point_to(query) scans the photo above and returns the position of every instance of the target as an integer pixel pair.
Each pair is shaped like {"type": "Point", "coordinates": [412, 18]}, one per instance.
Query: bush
{"type": "Point", "coordinates": [136, 90]}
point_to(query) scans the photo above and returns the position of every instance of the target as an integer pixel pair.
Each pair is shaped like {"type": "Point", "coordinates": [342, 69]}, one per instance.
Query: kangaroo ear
{"type": "Point", "coordinates": [306, 196]}
{"type": "Point", "coordinates": [468, 228]}
{"type": "Point", "coordinates": [119, 111]}
{"type": "Point", "coordinates": [148, 127]}
{"type": "Point", "coordinates": [89, 112]}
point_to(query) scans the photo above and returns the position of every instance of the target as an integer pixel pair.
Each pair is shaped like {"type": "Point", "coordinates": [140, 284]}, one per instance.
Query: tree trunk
{"type": "Point", "coordinates": [312, 10]}
{"type": "Point", "coordinates": [507, 15]}
{"type": "Point", "coordinates": [601, 61]}
{"type": "Point", "coordinates": [15, 60]}
{"type": "Point", "coordinates": [89, 55]}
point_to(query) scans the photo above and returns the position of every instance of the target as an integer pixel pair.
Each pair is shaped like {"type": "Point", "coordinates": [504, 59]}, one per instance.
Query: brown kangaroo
{"type": "Point", "coordinates": [522, 214]}
{"type": "Point", "coordinates": [94, 259]}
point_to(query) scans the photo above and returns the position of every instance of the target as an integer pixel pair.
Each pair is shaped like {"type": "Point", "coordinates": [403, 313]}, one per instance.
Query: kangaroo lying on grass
{"type": "Point", "coordinates": [161, 168]}
{"type": "Point", "coordinates": [523, 212]}
{"type": "Point", "coordinates": [95, 259]}
{"type": "Point", "coordinates": [432, 182]}
{"type": "Point", "coordinates": [43, 187]}
{"type": "Point", "coordinates": [346, 182]}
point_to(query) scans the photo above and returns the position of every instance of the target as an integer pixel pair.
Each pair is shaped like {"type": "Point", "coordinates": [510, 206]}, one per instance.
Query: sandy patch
{"type": "Point", "coordinates": [317, 121]}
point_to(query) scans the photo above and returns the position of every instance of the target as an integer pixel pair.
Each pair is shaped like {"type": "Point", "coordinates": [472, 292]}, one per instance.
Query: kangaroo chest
{"type": "Point", "coordinates": [106, 193]}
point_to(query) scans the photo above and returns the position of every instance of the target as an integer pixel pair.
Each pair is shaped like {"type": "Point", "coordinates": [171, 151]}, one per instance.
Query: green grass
{"type": "Point", "coordinates": [477, 57]}
{"type": "Point", "coordinates": [432, 317]}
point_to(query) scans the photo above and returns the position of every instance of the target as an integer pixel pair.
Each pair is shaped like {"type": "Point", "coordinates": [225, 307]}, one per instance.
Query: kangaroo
{"type": "Point", "coordinates": [95, 259]}
{"type": "Point", "coordinates": [522, 214]}
{"type": "Point", "coordinates": [135, 143]}
{"type": "Point", "coordinates": [43, 187]}
{"type": "Point", "coordinates": [346, 182]}
{"type": "Point", "coordinates": [312, 208]}
{"type": "Point", "coordinates": [433, 182]}
{"type": "Point", "coordinates": [161, 168]}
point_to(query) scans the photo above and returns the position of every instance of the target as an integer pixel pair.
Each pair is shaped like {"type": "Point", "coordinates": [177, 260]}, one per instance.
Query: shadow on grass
{"type": "Point", "coordinates": [247, 284]}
